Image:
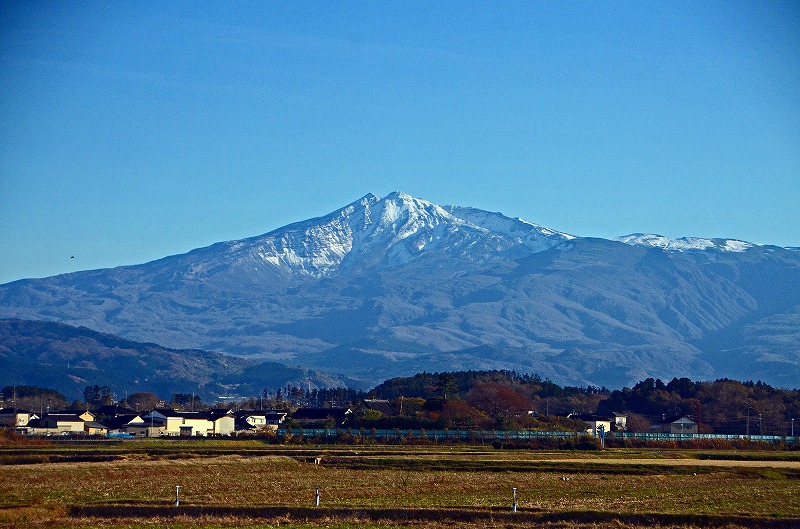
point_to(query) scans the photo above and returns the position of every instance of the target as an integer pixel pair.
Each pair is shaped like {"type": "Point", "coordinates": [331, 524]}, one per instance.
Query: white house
{"type": "Point", "coordinates": [57, 424]}
{"type": "Point", "coordinates": [189, 423]}
{"type": "Point", "coordinates": [223, 422]}
{"type": "Point", "coordinates": [251, 421]}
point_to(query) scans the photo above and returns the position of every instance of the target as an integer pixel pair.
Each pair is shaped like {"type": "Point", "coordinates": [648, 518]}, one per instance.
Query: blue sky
{"type": "Point", "coordinates": [134, 130]}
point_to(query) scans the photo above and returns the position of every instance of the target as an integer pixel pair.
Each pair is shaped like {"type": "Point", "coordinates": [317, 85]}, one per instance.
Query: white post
{"type": "Point", "coordinates": [316, 498]}
{"type": "Point", "coordinates": [514, 506]}
{"type": "Point", "coordinates": [177, 495]}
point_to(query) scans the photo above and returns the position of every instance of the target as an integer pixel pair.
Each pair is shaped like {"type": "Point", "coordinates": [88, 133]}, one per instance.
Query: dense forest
{"type": "Point", "coordinates": [496, 399]}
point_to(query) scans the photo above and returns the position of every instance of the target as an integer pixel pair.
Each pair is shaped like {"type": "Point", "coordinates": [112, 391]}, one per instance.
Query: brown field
{"type": "Point", "coordinates": [226, 484]}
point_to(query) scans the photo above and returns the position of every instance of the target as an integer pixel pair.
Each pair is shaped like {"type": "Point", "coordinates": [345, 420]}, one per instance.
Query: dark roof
{"type": "Point", "coordinates": [250, 413]}
{"type": "Point", "coordinates": [115, 423]}
{"type": "Point", "coordinates": [74, 411]}
{"type": "Point", "coordinates": [93, 424]}
{"type": "Point", "coordinates": [168, 412]}
{"type": "Point", "coordinates": [11, 411]}
{"type": "Point", "coordinates": [65, 417]}
{"type": "Point", "coordinates": [676, 418]}
{"type": "Point", "coordinates": [213, 415]}
{"type": "Point", "coordinates": [241, 424]}
{"type": "Point", "coordinates": [591, 417]}
{"type": "Point", "coordinates": [381, 406]}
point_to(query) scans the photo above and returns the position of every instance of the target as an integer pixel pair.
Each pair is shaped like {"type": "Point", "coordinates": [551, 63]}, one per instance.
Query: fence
{"type": "Point", "coordinates": [489, 436]}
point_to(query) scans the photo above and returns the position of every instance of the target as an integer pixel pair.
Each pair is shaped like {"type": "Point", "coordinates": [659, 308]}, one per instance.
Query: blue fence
{"type": "Point", "coordinates": [489, 436]}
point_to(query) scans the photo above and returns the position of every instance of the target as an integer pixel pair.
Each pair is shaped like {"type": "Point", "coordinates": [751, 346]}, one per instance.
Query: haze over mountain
{"type": "Point", "coordinates": [396, 285]}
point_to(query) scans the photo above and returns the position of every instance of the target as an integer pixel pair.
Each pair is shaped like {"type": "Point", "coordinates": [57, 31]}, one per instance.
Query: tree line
{"type": "Point", "coordinates": [492, 399]}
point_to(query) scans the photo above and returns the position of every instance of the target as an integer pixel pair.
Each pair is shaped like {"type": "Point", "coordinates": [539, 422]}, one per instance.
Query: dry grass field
{"type": "Point", "coordinates": [225, 484]}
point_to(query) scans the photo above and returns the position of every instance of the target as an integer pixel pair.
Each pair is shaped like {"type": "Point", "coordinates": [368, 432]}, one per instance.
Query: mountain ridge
{"type": "Point", "coordinates": [68, 358]}
{"type": "Point", "coordinates": [396, 285]}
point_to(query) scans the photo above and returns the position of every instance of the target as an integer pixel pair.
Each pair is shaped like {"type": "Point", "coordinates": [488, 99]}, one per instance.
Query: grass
{"type": "Point", "coordinates": [226, 484]}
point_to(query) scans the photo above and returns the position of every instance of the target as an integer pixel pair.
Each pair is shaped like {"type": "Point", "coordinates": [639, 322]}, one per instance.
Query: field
{"type": "Point", "coordinates": [247, 483]}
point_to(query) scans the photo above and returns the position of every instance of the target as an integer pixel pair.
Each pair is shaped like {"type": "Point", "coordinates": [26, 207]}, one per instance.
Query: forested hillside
{"type": "Point", "coordinates": [722, 406]}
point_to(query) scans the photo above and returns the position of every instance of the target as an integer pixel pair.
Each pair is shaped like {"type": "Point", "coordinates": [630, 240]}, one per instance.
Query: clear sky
{"type": "Point", "coordinates": [131, 130]}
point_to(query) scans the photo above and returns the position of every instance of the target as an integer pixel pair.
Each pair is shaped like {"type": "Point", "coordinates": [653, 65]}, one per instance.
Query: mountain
{"type": "Point", "coordinates": [65, 358]}
{"type": "Point", "coordinates": [392, 286]}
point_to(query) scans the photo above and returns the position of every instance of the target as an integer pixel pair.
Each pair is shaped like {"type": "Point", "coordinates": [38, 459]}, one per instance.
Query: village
{"type": "Point", "coordinates": [114, 420]}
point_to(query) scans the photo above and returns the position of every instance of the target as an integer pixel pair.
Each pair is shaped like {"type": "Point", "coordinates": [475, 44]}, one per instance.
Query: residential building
{"type": "Point", "coordinates": [191, 423]}
{"type": "Point", "coordinates": [13, 417]}
{"type": "Point", "coordinates": [595, 423]}
{"type": "Point", "coordinates": [94, 428]}
{"type": "Point", "coordinates": [681, 424]}
{"type": "Point", "coordinates": [57, 424]}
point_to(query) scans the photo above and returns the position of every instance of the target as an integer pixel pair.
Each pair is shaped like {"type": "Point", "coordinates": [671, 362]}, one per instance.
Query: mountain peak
{"type": "Point", "coordinates": [391, 231]}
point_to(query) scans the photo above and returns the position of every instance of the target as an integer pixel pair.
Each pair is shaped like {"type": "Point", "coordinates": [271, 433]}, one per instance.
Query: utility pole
{"type": "Point", "coordinates": [698, 416]}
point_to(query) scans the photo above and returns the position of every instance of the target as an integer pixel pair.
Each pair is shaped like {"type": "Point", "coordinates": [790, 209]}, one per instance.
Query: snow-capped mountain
{"type": "Point", "coordinates": [685, 244]}
{"type": "Point", "coordinates": [388, 232]}
{"type": "Point", "coordinates": [395, 285]}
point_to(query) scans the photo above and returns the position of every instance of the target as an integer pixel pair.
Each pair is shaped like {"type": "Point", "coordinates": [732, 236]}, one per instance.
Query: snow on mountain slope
{"type": "Point", "coordinates": [533, 237]}
{"type": "Point", "coordinates": [685, 243]}
{"type": "Point", "coordinates": [391, 286]}
{"type": "Point", "coordinates": [391, 231]}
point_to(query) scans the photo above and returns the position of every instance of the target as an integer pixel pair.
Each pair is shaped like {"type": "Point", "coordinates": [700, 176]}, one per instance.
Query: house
{"type": "Point", "coordinates": [223, 422]}
{"type": "Point", "coordinates": [139, 427]}
{"type": "Point", "coordinates": [375, 407]}
{"type": "Point", "coordinates": [681, 424]}
{"type": "Point", "coordinates": [322, 417]}
{"type": "Point", "coordinates": [57, 424]}
{"type": "Point", "coordinates": [119, 423]}
{"type": "Point", "coordinates": [620, 422]}
{"type": "Point", "coordinates": [190, 423]}
{"type": "Point", "coordinates": [611, 422]}
{"type": "Point", "coordinates": [173, 421]}
{"type": "Point", "coordinates": [94, 428]}
{"type": "Point", "coordinates": [12, 417]}
{"type": "Point", "coordinates": [262, 418]}
{"type": "Point", "coordinates": [276, 417]}
{"type": "Point", "coordinates": [253, 421]}
{"type": "Point", "coordinates": [595, 423]}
